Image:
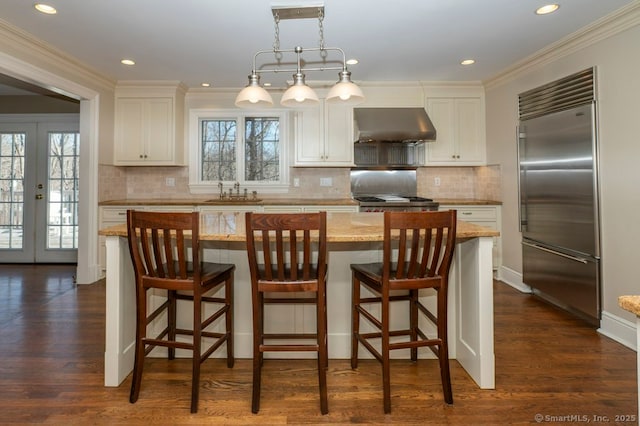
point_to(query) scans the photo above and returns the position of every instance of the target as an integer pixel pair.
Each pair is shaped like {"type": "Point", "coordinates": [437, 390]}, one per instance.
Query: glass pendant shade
{"type": "Point", "coordinates": [345, 92]}
{"type": "Point", "coordinates": [299, 94]}
{"type": "Point", "coordinates": [254, 96]}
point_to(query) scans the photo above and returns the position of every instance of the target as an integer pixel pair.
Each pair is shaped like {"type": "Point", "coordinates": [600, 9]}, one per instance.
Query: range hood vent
{"type": "Point", "coordinates": [393, 125]}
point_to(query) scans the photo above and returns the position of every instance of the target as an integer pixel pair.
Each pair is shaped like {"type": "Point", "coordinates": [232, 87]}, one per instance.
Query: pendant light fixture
{"type": "Point", "coordinates": [299, 94]}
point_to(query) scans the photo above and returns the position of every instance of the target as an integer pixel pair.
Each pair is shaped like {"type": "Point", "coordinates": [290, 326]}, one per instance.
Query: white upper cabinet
{"type": "Point", "coordinates": [324, 136]}
{"type": "Point", "coordinates": [149, 126]}
{"type": "Point", "coordinates": [460, 127]}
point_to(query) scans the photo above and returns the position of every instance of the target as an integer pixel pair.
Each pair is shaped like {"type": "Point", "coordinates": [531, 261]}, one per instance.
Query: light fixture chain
{"type": "Point", "coordinates": [276, 41]}
{"type": "Point", "coordinates": [323, 52]}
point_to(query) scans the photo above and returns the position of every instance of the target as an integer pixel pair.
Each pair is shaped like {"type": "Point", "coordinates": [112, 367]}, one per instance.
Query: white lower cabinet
{"type": "Point", "coordinates": [282, 209]}
{"type": "Point", "coordinates": [309, 209]}
{"type": "Point", "coordinates": [489, 216]}
{"type": "Point", "coordinates": [337, 209]}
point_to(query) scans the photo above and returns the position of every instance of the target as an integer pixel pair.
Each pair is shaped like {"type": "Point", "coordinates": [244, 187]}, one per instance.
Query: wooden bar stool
{"type": "Point", "coordinates": [287, 254]}
{"type": "Point", "coordinates": [158, 243]}
{"type": "Point", "coordinates": [417, 253]}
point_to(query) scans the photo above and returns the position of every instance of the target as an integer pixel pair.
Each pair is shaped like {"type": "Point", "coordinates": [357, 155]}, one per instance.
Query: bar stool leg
{"type": "Point", "coordinates": [141, 334]}
{"type": "Point", "coordinates": [171, 320]}
{"type": "Point", "coordinates": [323, 359]}
{"type": "Point", "coordinates": [443, 351]}
{"type": "Point", "coordinates": [386, 367]}
{"type": "Point", "coordinates": [355, 321]}
{"type": "Point", "coordinates": [413, 320]}
{"type": "Point", "coordinates": [258, 316]}
{"type": "Point", "coordinates": [228, 298]}
{"type": "Point", "coordinates": [196, 356]}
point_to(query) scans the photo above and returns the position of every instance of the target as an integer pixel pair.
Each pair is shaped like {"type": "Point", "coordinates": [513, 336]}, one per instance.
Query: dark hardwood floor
{"type": "Point", "coordinates": [51, 371]}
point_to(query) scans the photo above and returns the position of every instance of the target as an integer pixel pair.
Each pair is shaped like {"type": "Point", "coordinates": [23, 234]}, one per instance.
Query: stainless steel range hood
{"type": "Point", "coordinates": [393, 125]}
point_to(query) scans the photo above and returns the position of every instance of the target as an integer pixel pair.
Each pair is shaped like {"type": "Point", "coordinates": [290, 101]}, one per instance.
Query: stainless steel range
{"type": "Point", "coordinates": [392, 203]}
{"type": "Point", "coordinates": [388, 190]}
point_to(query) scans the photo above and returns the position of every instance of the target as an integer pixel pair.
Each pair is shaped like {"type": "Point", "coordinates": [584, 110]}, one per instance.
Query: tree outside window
{"type": "Point", "coordinates": [261, 146]}
{"type": "Point", "coordinates": [218, 150]}
{"type": "Point", "coordinates": [262, 154]}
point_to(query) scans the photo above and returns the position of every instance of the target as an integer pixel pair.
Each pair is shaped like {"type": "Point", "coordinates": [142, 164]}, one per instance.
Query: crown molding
{"type": "Point", "coordinates": [608, 26]}
{"type": "Point", "coordinates": [31, 47]}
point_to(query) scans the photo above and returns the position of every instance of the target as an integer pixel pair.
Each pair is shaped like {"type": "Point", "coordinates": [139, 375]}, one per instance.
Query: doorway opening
{"type": "Point", "coordinates": [39, 189]}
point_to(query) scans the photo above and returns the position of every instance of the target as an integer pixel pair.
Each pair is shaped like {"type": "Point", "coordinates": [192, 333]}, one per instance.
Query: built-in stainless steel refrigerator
{"type": "Point", "coordinates": [559, 195]}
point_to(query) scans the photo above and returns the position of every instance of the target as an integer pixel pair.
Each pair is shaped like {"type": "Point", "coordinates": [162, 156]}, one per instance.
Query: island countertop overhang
{"type": "Point", "coordinates": [341, 227]}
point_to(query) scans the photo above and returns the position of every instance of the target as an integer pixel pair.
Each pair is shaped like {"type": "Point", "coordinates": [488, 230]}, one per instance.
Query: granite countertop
{"type": "Point", "coordinates": [217, 201]}
{"type": "Point", "coordinates": [630, 303]}
{"type": "Point", "coordinates": [341, 227]}
{"type": "Point", "coordinates": [274, 202]}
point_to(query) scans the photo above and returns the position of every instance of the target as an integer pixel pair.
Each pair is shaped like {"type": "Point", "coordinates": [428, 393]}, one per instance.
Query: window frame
{"type": "Point", "coordinates": [198, 186]}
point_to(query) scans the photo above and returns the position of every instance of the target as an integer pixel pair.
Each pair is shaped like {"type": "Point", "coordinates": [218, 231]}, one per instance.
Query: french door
{"type": "Point", "coordinates": [39, 176]}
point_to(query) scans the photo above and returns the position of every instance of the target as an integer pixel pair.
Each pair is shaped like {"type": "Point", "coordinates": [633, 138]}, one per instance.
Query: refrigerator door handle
{"type": "Point", "coordinates": [522, 196]}
{"type": "Point", "coordinates": [568, 256]}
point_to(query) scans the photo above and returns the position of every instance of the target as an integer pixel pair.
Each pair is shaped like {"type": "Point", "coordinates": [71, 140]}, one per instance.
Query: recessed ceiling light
{"type": "Point", "coordinates": [468, 62]}
{"type": "Point", "coordinates": [549, 8]}
{"type": "Point", "coordinates": [206, 84]}
{"type": "Point", "coordinates": [127, 62]}
{"type": "Point", "coordinates": [45, 8]}
{"type": "Point", "coordinates": [352, 61]}
{"type": "Point", "coordinates": [267, 84]}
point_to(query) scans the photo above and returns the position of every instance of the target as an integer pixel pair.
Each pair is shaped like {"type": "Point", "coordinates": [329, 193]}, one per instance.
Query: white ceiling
{"type": "Point", "coordinates": [213, 41]}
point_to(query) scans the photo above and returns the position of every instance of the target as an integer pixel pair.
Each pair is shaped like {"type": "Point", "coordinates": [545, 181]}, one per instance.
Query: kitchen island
{"type": "Point", "coordinates": [352, 238]}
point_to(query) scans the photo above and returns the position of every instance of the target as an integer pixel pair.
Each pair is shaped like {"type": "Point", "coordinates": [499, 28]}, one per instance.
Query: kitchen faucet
{"type": "Point", "coordinates": [236, 197]}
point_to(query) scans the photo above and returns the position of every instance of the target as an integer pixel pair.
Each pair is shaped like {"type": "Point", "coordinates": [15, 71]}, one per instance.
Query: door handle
{"type": "Point", "coordinates": [557, 253]}
{"type": "Point", "coordinates": [38, 196]}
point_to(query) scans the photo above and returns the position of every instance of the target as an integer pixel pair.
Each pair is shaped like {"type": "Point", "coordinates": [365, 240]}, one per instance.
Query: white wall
{"type": "Point", "coordinates": [26, 58]}
{"type": "Point", "coordinates": [615, 54]}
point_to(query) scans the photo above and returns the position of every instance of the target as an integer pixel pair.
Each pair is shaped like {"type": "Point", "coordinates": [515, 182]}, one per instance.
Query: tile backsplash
{"type": "Point", "coordinates": [118, 183]}
{"type": "Point", "coordinates": [483, 183]}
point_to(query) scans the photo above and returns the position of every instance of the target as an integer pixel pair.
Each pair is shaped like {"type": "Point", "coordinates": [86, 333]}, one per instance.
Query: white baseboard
{"type": "Point", "coordinates": [88, 274]}
{"type": "Point", "coordinates": [612, 326]}
{"type": "Point", "coordinates": [513, 278]}
{"type": "Point", "coordinates": [619, 329]}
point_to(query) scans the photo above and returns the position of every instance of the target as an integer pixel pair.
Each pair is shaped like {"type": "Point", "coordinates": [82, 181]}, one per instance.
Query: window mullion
{"type": "Point", "coordinates": [240, 146]}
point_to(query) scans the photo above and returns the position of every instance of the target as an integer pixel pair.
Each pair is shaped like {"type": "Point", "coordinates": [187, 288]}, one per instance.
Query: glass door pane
{"type": "Point", "coordinates": [12, 156]}
{"type": "Point", "coordinates": [62, 202]}
{"type": "Point", "coordinates": [56, 198]}
{"type": "Point", "coordinates": [18, 143]}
